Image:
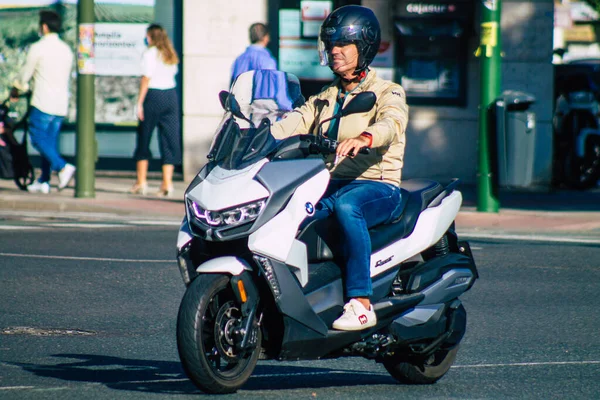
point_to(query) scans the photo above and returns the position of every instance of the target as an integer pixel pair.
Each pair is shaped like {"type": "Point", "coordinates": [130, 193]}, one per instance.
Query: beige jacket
{"type": "Point", "coordinates": [386, 122]}
{"type": "Point", "coordinates": [49, 63]}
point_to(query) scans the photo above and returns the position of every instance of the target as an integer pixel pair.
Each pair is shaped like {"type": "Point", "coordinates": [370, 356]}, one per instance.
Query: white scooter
{"type": "Point", "coordinates": [258, 286]}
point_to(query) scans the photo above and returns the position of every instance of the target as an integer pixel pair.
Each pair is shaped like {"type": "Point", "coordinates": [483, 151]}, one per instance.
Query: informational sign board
{"type": "Point", "coordinates": [111, 49]}
{"type": "Point", "coordinates": [119, 49]}
{"type": "Point", "coordinates": [313, 14]}
{"type": "Point", "coordinates": [298, 44]}
{"type": "Point", "coordinates": [431, 41]}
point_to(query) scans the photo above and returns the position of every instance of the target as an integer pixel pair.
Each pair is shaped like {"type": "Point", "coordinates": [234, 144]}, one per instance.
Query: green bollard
{"type": "Point", "coordinates": [86, 147]}
{"type": "Point", "coordinates": [490, 54]}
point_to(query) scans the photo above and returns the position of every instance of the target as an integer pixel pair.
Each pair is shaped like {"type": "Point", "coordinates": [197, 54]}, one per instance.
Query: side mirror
{"type": "Point", "coordinates": [229, 103]}
{"type": "Point", "coordinates": [223, 96]}
{"type": "Point", "coordinates": [361, 103]}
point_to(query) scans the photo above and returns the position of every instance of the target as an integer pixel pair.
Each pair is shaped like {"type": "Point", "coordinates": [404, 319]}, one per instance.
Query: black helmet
{"type": "Point", "coordinates": [351, 24]}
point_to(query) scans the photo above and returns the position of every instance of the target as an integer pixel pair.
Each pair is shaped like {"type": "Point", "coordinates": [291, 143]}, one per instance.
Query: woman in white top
{"type": "Point", "coordinates": [158, 106]}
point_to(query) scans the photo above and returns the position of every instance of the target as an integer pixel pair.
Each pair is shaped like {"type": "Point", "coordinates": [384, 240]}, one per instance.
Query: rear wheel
{"type": "Point", "coordinates": [26, 178]}
{"type": "Point", "coordinates": [583, 172]}
{"type": "Point", "coordinates": [207, 325]}
{"type": "Point", "coordinates": [422, 371]}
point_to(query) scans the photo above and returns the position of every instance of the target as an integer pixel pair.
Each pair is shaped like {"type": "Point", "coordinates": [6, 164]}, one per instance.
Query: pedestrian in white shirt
{"type": "Point", "coordinates": [48, 65]}
{"type": "Point", "coordinates": [158, 106]}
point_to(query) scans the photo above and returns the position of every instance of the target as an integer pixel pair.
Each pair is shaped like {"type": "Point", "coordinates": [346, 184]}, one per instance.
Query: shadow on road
{"type": "Point", "coordinates": [117, 373]}
{"type": "Point", "coordinates": [167, 377]}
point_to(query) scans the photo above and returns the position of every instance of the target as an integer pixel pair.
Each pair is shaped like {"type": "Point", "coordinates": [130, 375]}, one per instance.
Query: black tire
{"type": "Point", "coordinates": [25, 180]}
{"type": "Point", "coordinates": [581, 173]}
{"type": "Point", "coordinates": [210, 361]}
{"type": "Point", "coordinates": [422, 372]}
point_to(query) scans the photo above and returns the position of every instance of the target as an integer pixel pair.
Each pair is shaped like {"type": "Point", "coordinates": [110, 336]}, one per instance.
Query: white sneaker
{"type": "Point", "coordinates": [39, 187]}
{"type": "Point", "coordinates": [65, 175]}
{"type": "Point", "coordinates": [355, 317]}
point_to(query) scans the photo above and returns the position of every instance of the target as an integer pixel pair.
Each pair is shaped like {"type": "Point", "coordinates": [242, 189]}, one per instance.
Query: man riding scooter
{"type": "Point", "coordinates": [364, 190]}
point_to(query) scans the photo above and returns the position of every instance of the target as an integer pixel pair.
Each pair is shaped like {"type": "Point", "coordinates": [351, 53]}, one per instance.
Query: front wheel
{"type": "Point", "coordinates": [208, 321]}
{"type": "Point", "coordinates": [425, 371]}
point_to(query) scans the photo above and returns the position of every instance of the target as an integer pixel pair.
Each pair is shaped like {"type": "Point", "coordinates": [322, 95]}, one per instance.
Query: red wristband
{"type": "Point", "coordinates": [369, 136]}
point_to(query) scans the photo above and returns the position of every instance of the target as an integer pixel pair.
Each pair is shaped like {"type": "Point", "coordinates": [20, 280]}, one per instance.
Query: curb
{"type": "Point", "coordinates": [532, 237]}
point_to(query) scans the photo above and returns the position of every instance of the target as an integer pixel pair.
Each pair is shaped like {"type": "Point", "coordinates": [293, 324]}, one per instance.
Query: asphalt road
{"type": "Point", "coordinates": [90, 313]}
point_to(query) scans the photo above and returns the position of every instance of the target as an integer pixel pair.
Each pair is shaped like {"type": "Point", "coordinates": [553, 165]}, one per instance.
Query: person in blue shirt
{"type": "Point", "coordinates": [256, 56]}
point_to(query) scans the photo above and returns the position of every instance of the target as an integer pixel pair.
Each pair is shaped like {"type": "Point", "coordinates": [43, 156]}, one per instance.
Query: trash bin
{"type": "Point", "coordinates": [515, 139]}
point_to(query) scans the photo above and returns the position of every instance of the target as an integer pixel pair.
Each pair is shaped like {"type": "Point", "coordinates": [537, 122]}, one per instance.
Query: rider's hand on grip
{"type": "Point", "coordinates": [363, 150]}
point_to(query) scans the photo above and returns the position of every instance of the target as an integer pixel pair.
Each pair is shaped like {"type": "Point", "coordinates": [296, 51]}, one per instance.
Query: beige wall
{"type": "Point", "coordinates": [528, 29]}
{"type": "Point", "coordinates": [441, 141]}
{"type": "Point", "coordinates": [214, 34]}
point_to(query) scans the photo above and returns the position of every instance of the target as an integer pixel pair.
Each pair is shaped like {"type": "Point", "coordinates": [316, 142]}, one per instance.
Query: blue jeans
{"type": "Point", "coordinates": [43, 130]}
{"type": "Point", "coordinates": [357, 206]}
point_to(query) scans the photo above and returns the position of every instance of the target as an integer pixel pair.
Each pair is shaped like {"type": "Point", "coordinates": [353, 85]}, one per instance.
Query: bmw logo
{"type": "Point", "coordinates": [310, 209]}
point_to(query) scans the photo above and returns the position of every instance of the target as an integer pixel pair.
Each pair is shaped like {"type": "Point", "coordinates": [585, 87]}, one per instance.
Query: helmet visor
{"type": "Point", "coordinates": [330, 37]}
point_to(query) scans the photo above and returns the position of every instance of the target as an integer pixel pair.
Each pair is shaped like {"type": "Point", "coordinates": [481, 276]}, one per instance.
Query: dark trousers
{"type": "Point", "coordinates": [161, 109]}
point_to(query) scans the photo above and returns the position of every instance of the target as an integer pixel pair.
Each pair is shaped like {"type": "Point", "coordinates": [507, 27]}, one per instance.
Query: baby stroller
{"type": "Point", "coordinates": [14, 160]}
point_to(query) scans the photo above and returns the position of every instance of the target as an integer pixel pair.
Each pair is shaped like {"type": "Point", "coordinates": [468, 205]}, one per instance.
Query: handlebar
{"type": "Point", "coordinates": [329, 146]}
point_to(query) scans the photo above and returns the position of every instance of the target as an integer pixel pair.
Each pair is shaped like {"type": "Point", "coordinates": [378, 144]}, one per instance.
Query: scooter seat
{"type": "Point", "coordinates": [416, 194]}
{"type": "Point", "coordinates": [322, 236]}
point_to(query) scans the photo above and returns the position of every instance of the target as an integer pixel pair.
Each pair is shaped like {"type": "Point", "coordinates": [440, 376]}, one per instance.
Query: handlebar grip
{"type": "Point", "coordinates": [363, 150]}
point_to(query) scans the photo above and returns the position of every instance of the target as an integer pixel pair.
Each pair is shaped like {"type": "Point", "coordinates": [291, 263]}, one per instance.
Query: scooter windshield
{"type": "Point", "coordinates": [256, 100]}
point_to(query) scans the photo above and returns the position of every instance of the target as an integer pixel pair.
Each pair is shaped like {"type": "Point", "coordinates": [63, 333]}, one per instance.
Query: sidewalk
{"type": "Point", "coordinates": [564, 215]}
{"type": "Point", "coordinates": [558, 215]}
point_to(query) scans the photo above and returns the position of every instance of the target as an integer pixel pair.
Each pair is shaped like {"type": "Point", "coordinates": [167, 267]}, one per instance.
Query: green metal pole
{"type": "Point", "coordinates": [86, 148]}
{"type": "Point", "coordinates": [489, 52]}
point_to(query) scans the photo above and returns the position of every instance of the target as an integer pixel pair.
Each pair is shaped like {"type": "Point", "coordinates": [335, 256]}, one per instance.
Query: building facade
{"type": "Point", "coordinates": [428, 46]}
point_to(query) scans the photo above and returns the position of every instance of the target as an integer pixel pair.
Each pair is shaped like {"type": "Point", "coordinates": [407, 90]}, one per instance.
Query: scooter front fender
{"type": "Point", "coordinates": [224, 265]}
{"type": "Point", "coordinates": [184, 236]}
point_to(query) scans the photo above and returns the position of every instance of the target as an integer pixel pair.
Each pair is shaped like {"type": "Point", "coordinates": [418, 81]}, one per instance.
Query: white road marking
{"type": "Point", "coordinates": [156, 223]}
{"type": "Point", "coordinates": [529, 364]}
{"type": "Point", "coordinates": [468, 366]}
{"type": "Point", "coordinates": [14, 227]}
{"type": "Point", "coordinates": [29, 225]}
{"type": "Point", "coordinates": [82, 225]}
{"type": "Point", "coordinates": [317, 373]}
{"type": "Point", "coordinates": [155, 381]}
{"type": "Point", "coordinates": [16, 387]}
{"type": "Point", "coordinates": [86, 258]}
{"type": "Point", "coordinates": [62, 214]}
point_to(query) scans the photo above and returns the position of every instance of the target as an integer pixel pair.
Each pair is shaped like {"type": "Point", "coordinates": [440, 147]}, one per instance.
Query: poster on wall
{"type": "Point", "coordinates": [298, 53]}
{"type": "Point", "coordinates": [313, 14]}
{"type": "Point", "coordinates": [119, 49]}
{"type": "Point", "coordinates": [85, 50]}
{"type": "Point", "coordinates": [431, 78]}
{"type": "Point", "coordinates": [123, 21]}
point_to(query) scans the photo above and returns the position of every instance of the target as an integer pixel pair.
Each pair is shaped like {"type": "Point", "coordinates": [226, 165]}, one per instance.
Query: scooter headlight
{"type": "Point", "coordinates": [229, 217]}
